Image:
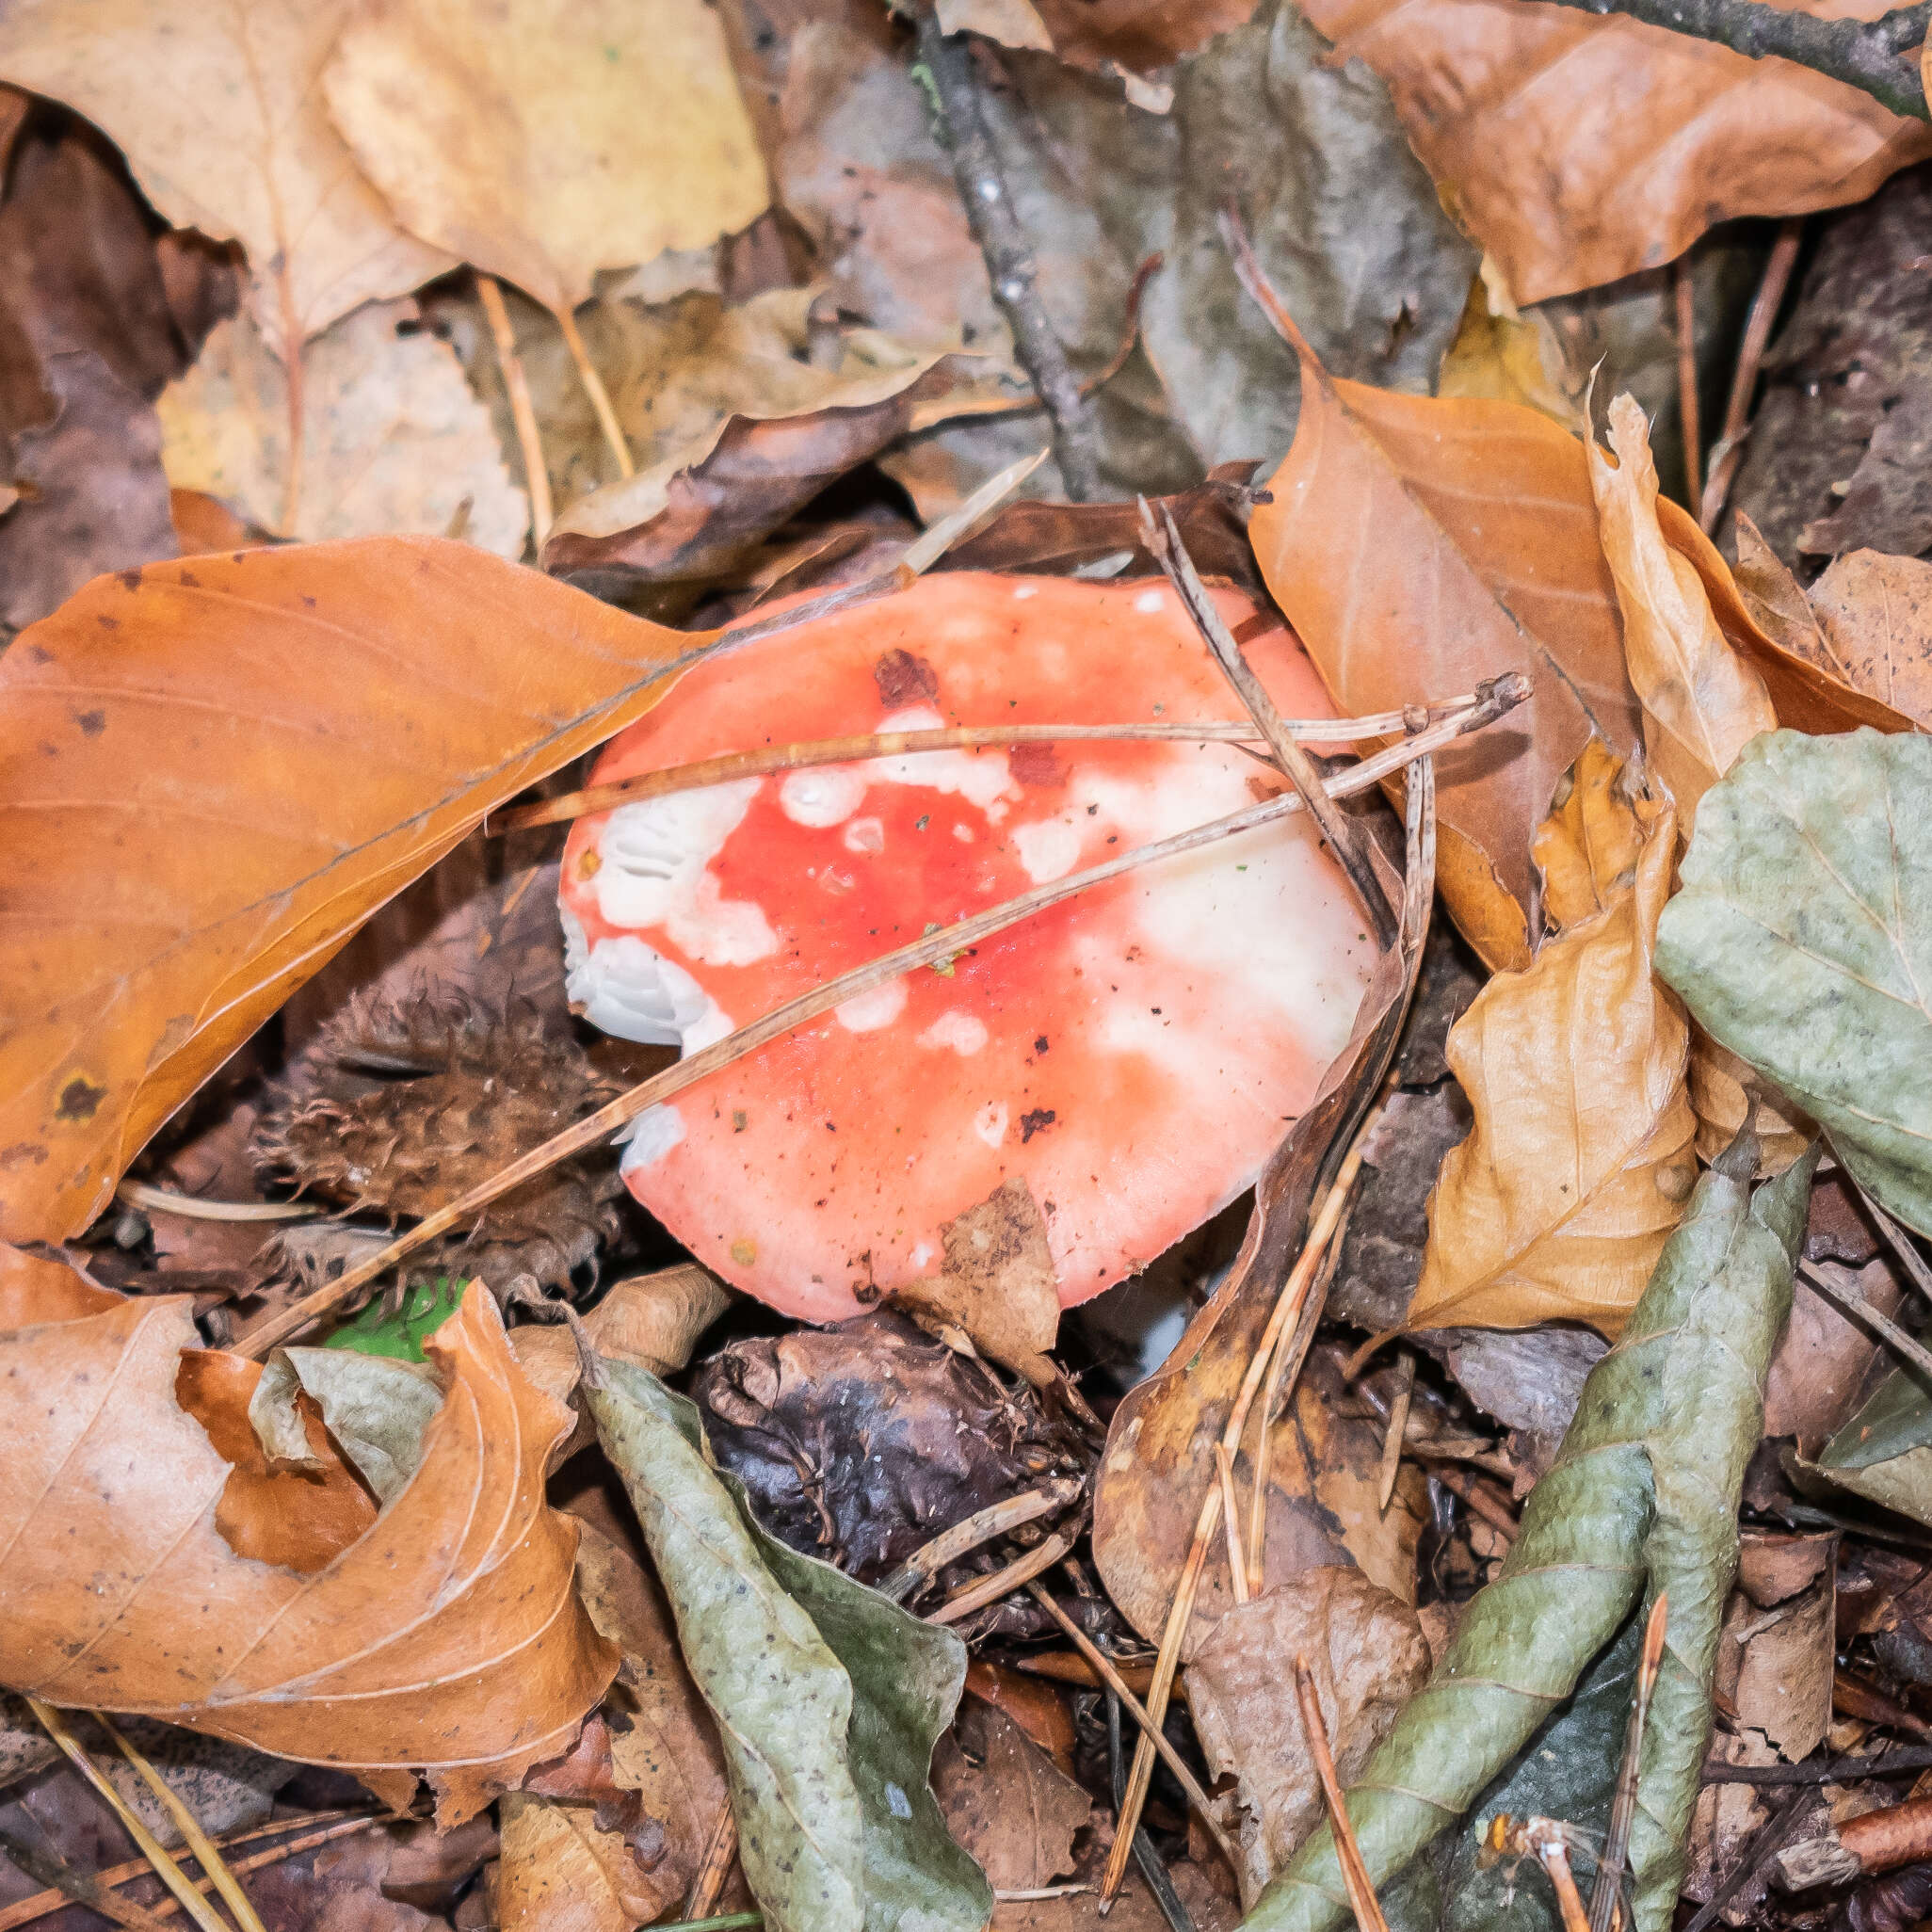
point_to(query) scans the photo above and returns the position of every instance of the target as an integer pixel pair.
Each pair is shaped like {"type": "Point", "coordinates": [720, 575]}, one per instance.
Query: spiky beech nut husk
{"type": "Point", "coordinates": [1131, 1054]}
{"type": "Point", "coordinates": [861, 1442]}
{"type": "Point", "coordinates": [414, 1104]}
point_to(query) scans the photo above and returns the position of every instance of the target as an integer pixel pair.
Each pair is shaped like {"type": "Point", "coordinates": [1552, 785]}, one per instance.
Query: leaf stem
{"type": "Point", "coordinates": [523, 413]}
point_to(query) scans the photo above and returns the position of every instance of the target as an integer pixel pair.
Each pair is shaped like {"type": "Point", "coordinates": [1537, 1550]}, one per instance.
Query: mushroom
{"type": "Point", "coordinates": [1133, 1053]}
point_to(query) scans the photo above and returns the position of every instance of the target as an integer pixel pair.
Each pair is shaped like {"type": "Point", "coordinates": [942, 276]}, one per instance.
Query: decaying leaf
{"type": "Point", "coordinates": [1559, 1203]}
{"type": "Point", "coordinates": [342, 1666]}
{"type": "Point", "coordinates": [1874, 613]}
{"type": "Point", "coordinates": [1643, 1494]}
{"type": "Point", "coordinates": [544, 144]}
{"type": "Point", "coordinates": [1589, 850]}
{"type": "Point", "coordinates": [1368, 1656]}
{"type": "Point", "coordinates": [1425, 544]}
{"type": "Point", "coordinates": [219, 114]}
{"type": "Point", "coordinates": [391, 440]}
{"type": "Point", "coordinates": [995, 1286]}
{"type": "Point", "coordinates": [830, 1698]}
{"type": "Point", "coordinates": [376, 1410]}
{"type": "Point", "coordinates": [1884, 1453]}
{"type": "Point", "coordinates": [862, 1442]}
{"type": "Point", "coordinates": [1702, 703]}
{"type": "Point", "coordinates": [189, 875]}
{"type": "Point", "coordinates": [1799, 941]}
{"type": "Point", "coordinates": [1579, 150]}
{"type": "Point", "coordinates": [1003, 1800]}
{"type": "Point", "coordinates": [1775, 599]}
{"type": "Point", "coordinates": [1826, 1357]}
{"type": "Point", "coordinates": [561, 1873]}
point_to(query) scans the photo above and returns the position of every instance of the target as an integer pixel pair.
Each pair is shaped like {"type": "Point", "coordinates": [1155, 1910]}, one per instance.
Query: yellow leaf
{"type": "Point", "coordinates": [1702, 703]}
{"type": "Point", "coordinates": [1581, 1158]}
{"type": "Point", "coordinates": [1588, 847]}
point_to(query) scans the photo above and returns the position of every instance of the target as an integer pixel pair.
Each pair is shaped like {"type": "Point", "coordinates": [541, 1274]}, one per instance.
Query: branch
{"type": "Point", "coordinates": [1865, 54]}
{"type": "Point", "coordinates": [1009, 260]}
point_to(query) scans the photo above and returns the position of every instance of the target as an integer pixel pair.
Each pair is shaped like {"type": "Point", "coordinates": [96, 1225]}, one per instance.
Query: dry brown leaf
{"type": "Point", "coordinates": [1703, 702]}
{"type": "Point", "coordinates": [1580, 151]}
{"type": "Point", "coordinates": [1368, 1657]}
{"type": "Point", "coordinates": [1011, 22]}
{"type": "Point", "coordinates": [34, 1288]}
{"type": "Point", "coordinates": [1777, 600]}
{"type": "Point", "coordinates": [997, 1285]}
{"type": "Point", "coordinates": [560, 1874]}
{"type": "Point", "coordinates": [393, 441]}
{"type": "Point", "coordinates": [1419, 546]}
{"type": "Point", "coordinates": [1588, 847]}
{"type": "Point", "coordinates": [544, 143]}
{"type": "Point", "coordinates": [1875, 614]}
{"type": "Point", "coordinates": [1137, 35]}
{"type": "Point", "coordinates": [348, 1666]}
{"type": "Point", "coordinates": [1581, 1160]}
{"type": "Point", "coordinates": [1004, 1801]}
{"type": "Point", "coordinates": [239, 758]}
{"type": "Point", "coordinates": [1818, 1372]}
{"type": "Point", "coordinates": [219, 114]}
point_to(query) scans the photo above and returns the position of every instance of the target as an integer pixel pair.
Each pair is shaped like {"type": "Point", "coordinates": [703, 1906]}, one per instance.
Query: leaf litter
{"type": "Point", "coordinates": [404, 408]}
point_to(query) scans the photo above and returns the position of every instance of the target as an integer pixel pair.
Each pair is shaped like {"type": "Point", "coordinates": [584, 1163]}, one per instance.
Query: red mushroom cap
{"type": "Point", "coordinates": [1132, 1054]}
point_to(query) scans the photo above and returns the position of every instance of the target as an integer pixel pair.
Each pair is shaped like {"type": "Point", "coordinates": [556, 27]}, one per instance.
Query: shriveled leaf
{"type": "Point", "coordinates": [1004, 1801]}
{"type": "Point", "coordinates": [996, 1285]}
{"type": "Point", "coordinates": [1580, 1161]}
{"type": "Point", "coordinates": [1642, 1499]}
{"type": "Point", "coordinates": [1702, 703]}
{"type": "Point", "coordinates": [1420, 545]}
{"type": "Point", "coordinates": [830, 1698]}
{"type": "Point", "coordinates": [1875, 614]}
{"type": "Point", "coordinates": [1800, 941]}
{"type": "Point", "coordinates": [218, 798]}
{"type": "Point", "coordinates": [544, 143]}
{"type": "Point", "coordinates": [1580, 151]}
{"type": "Point", "coordinates": [1368, 1656]}
{"type": "Point", "coordinates": [652, 1320]}
{"type": "Point", "coordinates": [391, 440]}
{"type": "Point", "coordinates": [560, 1874]}
{"type": "Point", "coordinates": [376, 1408]}
{"type": "Point", "coordinates": [219, 114]}
{"type": "Point", "coordinates": [448, 1634]}
{"type": "Point", "coordinates": [1589, 848]}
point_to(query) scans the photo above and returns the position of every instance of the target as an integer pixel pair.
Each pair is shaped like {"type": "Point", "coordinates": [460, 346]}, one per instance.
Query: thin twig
{"type": "Point", "coordinates": [69, 1887]}
{"type": "Point", "coordinates": [1355, 1875]}
{"type": "Point", "coordinates": [1623, 1806]}
{"type": "Point", "coordinates": [197, 1840]}
{"type": "Point", "coordinates": [1863, 54]}
{"type": "Point", "coordinates": [529, 438]}
{"type": "Point", "coordinates": [1727, 451]}
{"type": "Point", "coordinates": [1104, 1667]}
{"type": "Point", "coordinates": [1547, 1840]}
{"type": "Point", "coordinates": [1497, 697]}
{"type": "Point", "coordinates": [1908, 1348]}
{"type": "Point", "coordinates": [727, 1921]}
{"type": "Point", "coordinates": [720, 1852]}
{"type": "Point", "coordinates": [1902, 1245]}
{"type": "Point", "coordinates": [1397, 1428]}
{"type": "Point", "coordinates": [1010, 264]}
{"type": "Point", "coordinates": [1685, 289]}
{"type": "Point", "coordinates": [926, 1563]}
{"type": "Point", "coordinates": [1479, 1499]}
{"type": "Point", "coordinates": [1908, 1760]}
{"type": "Point", "coordinates": [1344, 835]}
{"type": "Point", "coordinates": [863, 745]}
{"type": "Point", "coordinates": [594, 389]}
{"type": "Point", "coordinates": [1758, 1853]}
{"type": "Point", "coordinates": [1146, 1854]}
{"type": "Point", "coordinates": [171, 1875]}
{"type": "Point", "coordinates": [1231, 1523]}
{"type": "Point", "coordinates": [1002, 1582]}
{"type": "Point", "coordinates": [193, 1207]}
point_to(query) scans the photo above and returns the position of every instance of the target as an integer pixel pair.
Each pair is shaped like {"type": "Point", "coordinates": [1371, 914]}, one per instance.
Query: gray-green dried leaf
{"type": "Point", "coordinates": [1643, 1493]}
{"type": "Point", "coordinates": [1884, 1453]}
{"type": "Point", "coordinates": [829, 1698]}
{"type": "Point", "coordinates": [375, 1406]}
{"type": "Point", "coordinates": [1802, 940]}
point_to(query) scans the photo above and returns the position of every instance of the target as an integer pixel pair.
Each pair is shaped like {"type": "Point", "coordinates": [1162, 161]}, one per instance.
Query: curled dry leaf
{"type": "Point", "coordinates": [1420, 544]}
{"type": "Point", "coordinates": [345, 1666]}
{"type": "Point", "coordinates": [1580, 151]}
{"type": "Point", "coordinates": [1368, 1656]}
{"type": "Point", "coordinates": [546, 143]}
{"type": "Point", "coordinates": [1003, 1800]}
{"type": "Point", "coordinates": [1799, 941]}
{"type": "Point", "coordinates": [391, 440]}
{"type": "Point", "coordinates": [188, 877]}
{"type": "Point", "coordinates": [219, 114]}
{"type": "Point", "coordinates": [1775, 599]}
{"type": "Point", "coordinates": [1702, 703]}
{"type": "Point", "coordinates": [1581, 1159]}
{"type": "Point", "coordinates": [1589, 850]}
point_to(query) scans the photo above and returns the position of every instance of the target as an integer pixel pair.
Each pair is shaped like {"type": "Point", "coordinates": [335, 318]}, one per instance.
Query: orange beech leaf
{"type": "Point", "coordinates": [212, 771]}
{"type": "Point", "coordinates": [1420, 545]}
{"type": "Point", "coordinates": [1578, 150]}
{"type": "Point", "coordinates": [448, 1634]}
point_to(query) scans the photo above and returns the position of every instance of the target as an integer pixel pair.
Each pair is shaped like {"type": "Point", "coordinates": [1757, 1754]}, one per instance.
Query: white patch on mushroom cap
{"type": "Point", "coordinates": [650, 1137]}
{"type": "Point", "coordinates": [981, 778]}
{"type": "Point", "coordinates": [865, 835]}
{"type": "Point", "coordinates": [1149, 601]}
{"type": "Point", "coordinates": [1049, 849]}
{"type": "Point", "coordinates": [989, 1123]}
{"type": "Point", "coordinates": [624, 987]}
{"type": "Point", "coordinates": [823, 796]}
{"type": "Point", "coordinates": [1024, 591]}
{"type": "Point", "coordinates": [654, 857]}
{"type": "Point", "coordinates": [965, 1033]}
{"type": "Point", "coordinates": [867, 1012]}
